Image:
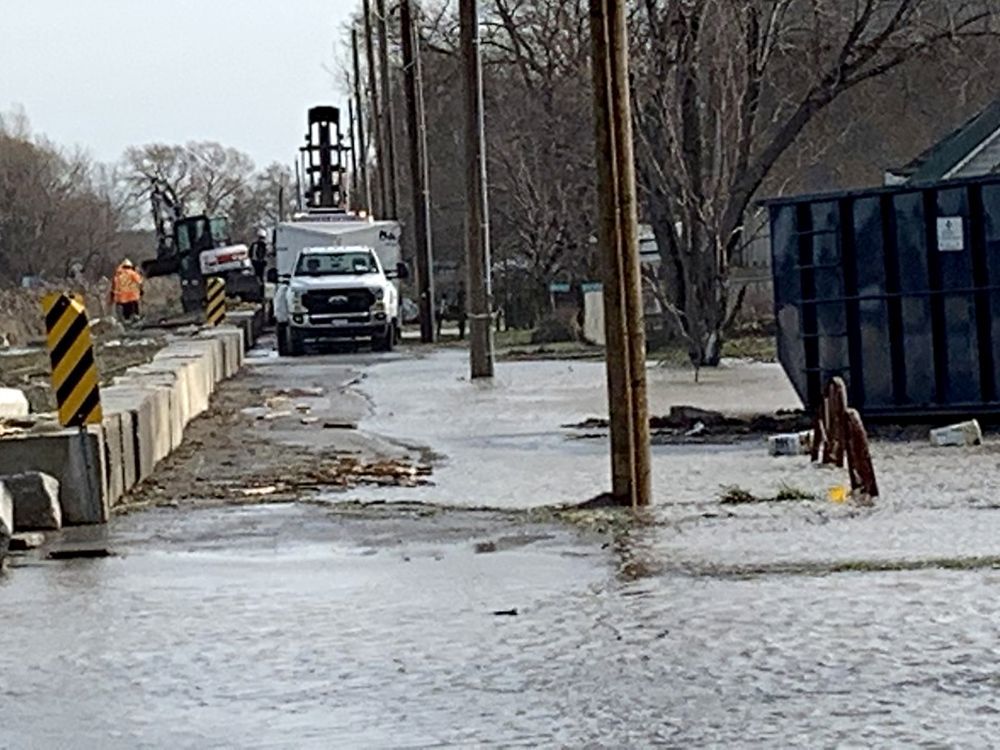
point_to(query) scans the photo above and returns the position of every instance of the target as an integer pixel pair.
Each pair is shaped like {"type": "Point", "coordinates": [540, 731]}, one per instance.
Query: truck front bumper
{"type": "Point", "coordinates": [340, 326]}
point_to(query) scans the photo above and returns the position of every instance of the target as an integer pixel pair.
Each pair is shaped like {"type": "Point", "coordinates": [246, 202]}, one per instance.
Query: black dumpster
{"type": "Point", "coordinates": [897, 290]}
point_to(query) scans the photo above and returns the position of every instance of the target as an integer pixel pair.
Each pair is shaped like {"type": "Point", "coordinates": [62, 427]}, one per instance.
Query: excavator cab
{"type": "Point", "coordinates": [200, 233]}
{"type": "Point", "coordinates": [196, 247]}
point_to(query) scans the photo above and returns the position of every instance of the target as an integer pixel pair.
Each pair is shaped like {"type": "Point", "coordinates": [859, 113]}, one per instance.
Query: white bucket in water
{"type": "Point", "coordinates": [961, 434]}
{"type": "Point", "coordinates": [790, 443]}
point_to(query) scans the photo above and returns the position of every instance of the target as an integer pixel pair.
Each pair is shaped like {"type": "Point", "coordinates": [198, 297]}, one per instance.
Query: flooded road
{"type": "Point", "coordinates": [324, 624]}
{"type": "Point", "coordinates": [287, 627]}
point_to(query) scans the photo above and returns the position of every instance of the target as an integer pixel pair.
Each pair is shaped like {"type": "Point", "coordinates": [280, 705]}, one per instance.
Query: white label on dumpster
{"type": "Point", "coordinates": [950, 234]}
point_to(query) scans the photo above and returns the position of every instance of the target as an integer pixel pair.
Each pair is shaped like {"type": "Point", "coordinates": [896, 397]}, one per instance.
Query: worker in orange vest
{"type": "Point", "coordinates": [126, 291]}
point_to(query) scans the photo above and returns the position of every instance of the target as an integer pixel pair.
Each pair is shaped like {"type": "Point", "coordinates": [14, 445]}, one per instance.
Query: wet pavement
{"type": "Point", "coordinates": [322, 624]}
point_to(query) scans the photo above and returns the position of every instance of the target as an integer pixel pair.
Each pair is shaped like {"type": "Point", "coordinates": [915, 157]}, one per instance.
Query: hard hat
{"type": "Point", "coordinates": [127, 264]}
{"type": "Point", "coordinates": [262, 233]}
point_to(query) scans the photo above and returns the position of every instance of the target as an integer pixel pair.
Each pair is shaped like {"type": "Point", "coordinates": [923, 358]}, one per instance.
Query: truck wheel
{"type": "Point", "coordinates": [385, 342]}
{"type": "Point", "coordinates": [295, 345]}
{"type": "Point", "coordinates": [281, 333]}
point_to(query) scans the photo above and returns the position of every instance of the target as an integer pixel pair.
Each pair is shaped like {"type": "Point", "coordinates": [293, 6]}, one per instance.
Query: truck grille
{"type": "Point", "coordinates": [340, 302]}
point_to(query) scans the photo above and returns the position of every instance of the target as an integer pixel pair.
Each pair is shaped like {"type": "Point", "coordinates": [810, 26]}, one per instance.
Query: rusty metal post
{"type": "Point", "coordinates": [859, 457]}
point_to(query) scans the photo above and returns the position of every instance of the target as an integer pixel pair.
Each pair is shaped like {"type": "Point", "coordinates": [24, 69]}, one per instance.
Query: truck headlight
{"type": "Point", "coordinates": [297, 301]}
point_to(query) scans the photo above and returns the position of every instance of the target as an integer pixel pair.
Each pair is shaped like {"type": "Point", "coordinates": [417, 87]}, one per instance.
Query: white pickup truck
{"type": "Point", "coordinates": [330, 288]}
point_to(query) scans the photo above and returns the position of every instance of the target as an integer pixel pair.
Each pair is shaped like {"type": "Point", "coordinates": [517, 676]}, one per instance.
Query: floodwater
{"type": "Point", "coordinates": [304, 626]}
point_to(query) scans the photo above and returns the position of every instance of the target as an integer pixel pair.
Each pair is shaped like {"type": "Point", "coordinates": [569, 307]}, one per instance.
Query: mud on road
{"type": "Point", "coordinates": [269, 437]}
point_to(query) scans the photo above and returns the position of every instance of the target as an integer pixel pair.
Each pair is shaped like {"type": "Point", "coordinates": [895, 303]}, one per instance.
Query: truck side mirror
{"type": "Point", "coordinates": [272, 276]}
{"type": "Point", "coordinates": [402, 271]}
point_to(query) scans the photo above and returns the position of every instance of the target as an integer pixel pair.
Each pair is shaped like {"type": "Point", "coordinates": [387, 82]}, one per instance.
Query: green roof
{"type": "Point", "coordinates": [941, 158]}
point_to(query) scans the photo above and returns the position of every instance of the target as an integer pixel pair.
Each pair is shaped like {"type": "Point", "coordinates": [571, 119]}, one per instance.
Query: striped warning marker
{"type": "Point", "coordinates": [74, 369]}
{"type": "Point", "coordinates": [215, 301]}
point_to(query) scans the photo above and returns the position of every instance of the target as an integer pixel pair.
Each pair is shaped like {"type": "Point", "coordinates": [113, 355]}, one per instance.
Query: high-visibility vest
{"type": "Point", "coordinates": [127, 286]}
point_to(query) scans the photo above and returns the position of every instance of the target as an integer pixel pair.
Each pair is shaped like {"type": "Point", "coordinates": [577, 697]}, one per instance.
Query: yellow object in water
{"type": "Point", "coordinates": [837, 494]}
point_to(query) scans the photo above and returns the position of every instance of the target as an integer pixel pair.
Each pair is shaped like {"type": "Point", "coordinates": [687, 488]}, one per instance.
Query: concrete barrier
{"type": "Point", "coordinates": [195, 372]}
{"type": "Point", "coordinates": [36, 501]}
{"type": "Point", "coordinates": [150, 433]}
{"type": "Point", "coordinates": [76, 459]}
{"type": "Point", "coordinates": [145, 413]}
{"type": "Point", "coordinates": [251, 322]}
{"type": "Point", "coordinates": [127, 469]}
{"type": "Point", "coordinates": [176, 383]}
{"type": "Point", "coordinates": [6, 520]}
{"type": "Point", "coordinates": [114, 457]}
{"type": "Point", "coordinates": [205, 359]}
{"type": "Point", "coordinates": [231, 339]}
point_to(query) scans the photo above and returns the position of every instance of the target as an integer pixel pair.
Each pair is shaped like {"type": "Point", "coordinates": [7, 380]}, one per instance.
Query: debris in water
{"type": "Point", "coordinates": [735, 495]}
{"type": "Point", "coordinates": [15, 425]}
{"type": "Point", "coordinates": [309, 420]}
{"type": "Point", "coordinates": [483, 547]}
{"type": "Point", "coordinates": [837, 494]}
{"type": "Point", "coordinates": [301, 392]}
{"type": "Point", "coordinates": [26, 541]}
{"type": "Point", "coordinates": [506, 612]}
{"type": "Point", "coordinates": [697, 431]}
{"type": "Point", "coordinates": [339, 426]}
{"type": "Point", "coordinates": [790, 444]}
{"type": "Point", "coordinates": [347, 472]}
{"type": "Point", "coordinates": [86, 553]}
{"type": "Point", "coordinates": [963, 434]}
{"type": "Point", "coordinates": [259, 491]}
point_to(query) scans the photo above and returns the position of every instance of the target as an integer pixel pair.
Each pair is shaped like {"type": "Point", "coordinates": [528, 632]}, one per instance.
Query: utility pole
{"type": "Point", "coordinates": [373, 97]}
{"type": "Point", "coordinates": [389, 129]}
{"type": "Point", "coordinates": [355, 196]}
{"type": "Point", "coordinates": [362, 144]}
{"type": "Point", "coordinates": [417, 130]}
{"type": "Point", "coordinates": [477, 228]}
{"type": "Point", "coordinates": [618, 233]}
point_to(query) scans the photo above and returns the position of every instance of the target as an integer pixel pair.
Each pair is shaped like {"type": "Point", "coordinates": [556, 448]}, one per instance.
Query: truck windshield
{"type": "Point", "coordinates": [335, 264]}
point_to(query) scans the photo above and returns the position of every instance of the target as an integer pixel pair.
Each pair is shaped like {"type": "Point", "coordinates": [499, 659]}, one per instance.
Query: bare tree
{"type": "Point", "coordinates": [206, 176]}
{"type": "Point", "coordinates": [723, 89]}
{"type": "Point", "coordinates": [59, 211]}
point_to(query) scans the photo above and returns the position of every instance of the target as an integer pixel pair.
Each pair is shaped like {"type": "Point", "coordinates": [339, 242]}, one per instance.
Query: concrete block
{"type": "Point", "coordinates": [217, 348]}
{"type": "Point", "coordinates": [74, 458]}
{"type": "Point", "coordinates": [196, 372]}
{"type": "Point", "coordinates": [248, 322]}
{"type": "Point", "coordinates": [114, 458]}
{"type": "Point", "coordinates": [176, 382]}
{"type": "Point", "coordinates": [148, 407]}
{"type": "Point", "coordinates": [6, 520]}
{"type": "Point", "coordinates": [13, 403]}
{"type": "Point", "coordinates": [233, 346]}
{"type": "Point", "coordinates": [206, 353]}
{"type": "Point", "coordinates": [36, 501]}
{"type": "Point", "coordinates": [130, 451]}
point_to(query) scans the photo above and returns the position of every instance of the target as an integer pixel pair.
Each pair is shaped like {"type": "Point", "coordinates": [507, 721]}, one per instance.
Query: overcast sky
{"type": "Point", "coordinates": [107, 74]}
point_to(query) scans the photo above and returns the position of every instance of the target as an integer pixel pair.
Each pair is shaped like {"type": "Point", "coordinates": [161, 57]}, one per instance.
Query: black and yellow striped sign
{"type": "Point", "coordinates": [215, 301]}
{"type": "Point", "coordinates": [74, 369]}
